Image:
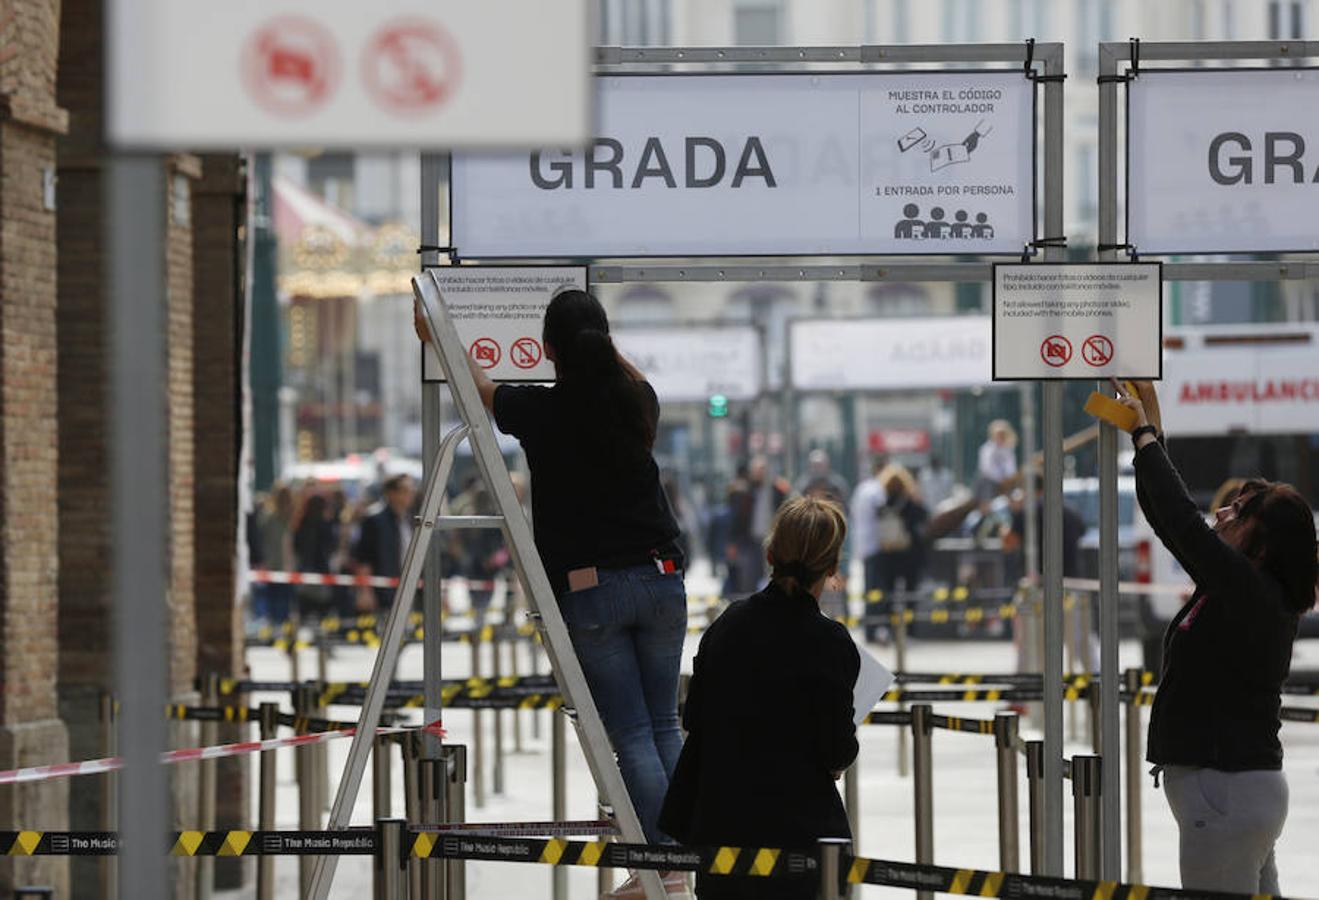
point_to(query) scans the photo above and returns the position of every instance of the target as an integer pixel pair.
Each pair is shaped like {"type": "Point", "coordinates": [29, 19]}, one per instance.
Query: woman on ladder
{"type": "Point", "coordinates": [1214, 727]}
{"type": "Point", "coordinates": [608, 539]}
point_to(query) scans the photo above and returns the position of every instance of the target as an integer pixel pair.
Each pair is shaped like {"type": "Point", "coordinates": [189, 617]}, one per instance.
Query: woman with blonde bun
{"type": "Point", "coordinates": [769, 713]}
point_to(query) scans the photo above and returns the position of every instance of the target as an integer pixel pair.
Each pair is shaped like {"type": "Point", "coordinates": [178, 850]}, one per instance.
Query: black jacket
{"type": "Point", "coordinates": [769, 719]}
{"type": "Point", "coordinates": [1227, 652]}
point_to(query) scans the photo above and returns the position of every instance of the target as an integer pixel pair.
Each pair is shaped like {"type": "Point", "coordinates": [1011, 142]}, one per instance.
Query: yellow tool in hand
{"type": "Point", "coordinates": [1110, 410]}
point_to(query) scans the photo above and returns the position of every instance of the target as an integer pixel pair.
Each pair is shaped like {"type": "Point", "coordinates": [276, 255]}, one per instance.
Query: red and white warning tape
{"type": "Point", "coordinates": [264, 576]}
{"type": "Point", "coordinates": [114, 763]}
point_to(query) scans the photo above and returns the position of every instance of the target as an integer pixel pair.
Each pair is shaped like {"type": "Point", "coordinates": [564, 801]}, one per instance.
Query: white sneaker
{"type": "Point", "coordinates": [675, 885]}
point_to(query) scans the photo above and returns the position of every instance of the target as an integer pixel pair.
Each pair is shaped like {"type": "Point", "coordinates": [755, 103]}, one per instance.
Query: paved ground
{"type": "Point", "coordinates": [964, 789]}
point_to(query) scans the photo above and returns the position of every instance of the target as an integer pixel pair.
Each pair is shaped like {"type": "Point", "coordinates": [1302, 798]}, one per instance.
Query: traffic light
{"type": "Point", "coordinates": [718, 407]}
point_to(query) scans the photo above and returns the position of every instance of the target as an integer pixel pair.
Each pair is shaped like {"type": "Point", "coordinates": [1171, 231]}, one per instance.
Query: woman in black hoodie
{"type": "Point", "coordinates": [1214, 727]}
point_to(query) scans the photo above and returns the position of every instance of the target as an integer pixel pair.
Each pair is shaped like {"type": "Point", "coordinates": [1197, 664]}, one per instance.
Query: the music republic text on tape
{"type": "Point", "coordinates": [1077, 321]}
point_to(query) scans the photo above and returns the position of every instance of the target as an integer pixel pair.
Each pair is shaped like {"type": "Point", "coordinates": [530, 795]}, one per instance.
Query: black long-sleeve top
{"type": "Point", "coordinates": [1227, 651]}
{"type": "Point", "coordinates": [769, 720]}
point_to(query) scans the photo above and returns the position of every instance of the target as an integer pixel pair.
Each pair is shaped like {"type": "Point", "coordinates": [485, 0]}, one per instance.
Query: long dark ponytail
{"type": "Point", "coordinates": [577, 332]}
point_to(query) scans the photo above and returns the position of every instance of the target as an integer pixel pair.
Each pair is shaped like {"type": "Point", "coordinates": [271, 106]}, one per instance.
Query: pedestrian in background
{"type": "Point", "coordinates": [936, 482]}
{"type": "Point", "coordinates": [752, 504]}
{"type": "Point", "coordinates": [314, 541]}
{"type": "Point", "coordinates": [1213, 733]}
{"type": "Point", "coordinates": [608, 539]}
{"type": "Point", "coordinates": [867, 500]}
{"type": "Point", "coordinates": [276, 526]}
{"type": "Point", "coordinates": [383, 541]}
{"type": "Point", "coordinates": [769, 714]}
{"type": "Point", "coordinates": [996, 462]}
{"type": "Point", "coordinates": [901, 536]}
{"type": "Point", "coordinates": [821, 480]}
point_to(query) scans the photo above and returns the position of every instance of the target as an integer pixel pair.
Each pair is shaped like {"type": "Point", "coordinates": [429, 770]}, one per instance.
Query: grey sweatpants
{"type": "Point", "coordinates": [1229, 822]}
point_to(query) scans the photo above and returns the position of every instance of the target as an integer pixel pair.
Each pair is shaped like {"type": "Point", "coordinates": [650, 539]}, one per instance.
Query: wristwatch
{"type": "Point", "coordinates": [1143, 430]}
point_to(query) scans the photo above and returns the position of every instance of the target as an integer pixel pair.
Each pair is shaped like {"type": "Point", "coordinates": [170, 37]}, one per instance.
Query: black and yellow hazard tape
{"type": "Point", "coordinates": [349, 842]}
{"type": "Point", "coordinates": [58, 843]}
{"type": "Point", "coordinates": [888, 717]}
{"type": "Point", "coordinates": [966, 726]}
{"type": "Point", "coordinates": [976, 883]}
{"type": "Point", "coordinates": [182, 713]}
{"type": "Point", "coordinates": [756, 862]}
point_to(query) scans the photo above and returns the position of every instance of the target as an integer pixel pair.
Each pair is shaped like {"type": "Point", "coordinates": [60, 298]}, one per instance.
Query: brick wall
{"type": "Point", "coordinates": [30, 732]}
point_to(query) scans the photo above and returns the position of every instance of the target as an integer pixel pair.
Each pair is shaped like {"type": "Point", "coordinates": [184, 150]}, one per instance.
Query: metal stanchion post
{"type": "Point", "coordinates": [900, 659]}
{"type": "Point", "coordinates": [309, 807]}
{"type": "Point", "coordinates": [455, 811]}
{"type": "Point", "coordinates": [496, 672]}
{"type": "Point", "coordinates": [604, 882]}
{"type": "Point", "coordinates": [1006, 727]}
{"type": "Point", "coordinates": [1133, 772]}
{"type": "Point", "coordinates": [1035, 784]}
{"type": "Point", "coordinates": [1085, 815]}
{"type": "Point", "coordinates": [265, 867]}
{"type": "Point", "coordinates": [382, 780]}
{"type": "Point", "coordinates": [852, 795]}
{"type": "Point", "coordinates": [205, 867]}
{"type": "Point", "coordinates": [513, 669]}
{"type": "Point", "coordinates": [1069, 638]}
{"type": "Point", "coordinates": [832, 851]}
{"type": "Point", "coordinates": [1092, 698]}
{"type": "Point", "coordinates": [922, 743]}
{"type": "Point", "coordinates": [431, 782]}
{"type": "Point", "coordinates": [534, 652]}
{"type": "Point", "coordinates": [478, 732]}
{"type": "Point", "coordinates": [412, 801]}
{"type": "Point", "coordinates": [321, 756]}
{"type": "Point", "coordinates": [559, 792]}
{"type": "Point", "coordinates": [390, 871]}
{"type": "Point", "coordinates": [109, 796]}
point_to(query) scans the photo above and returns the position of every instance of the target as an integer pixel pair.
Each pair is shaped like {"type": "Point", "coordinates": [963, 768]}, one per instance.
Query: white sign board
{"type": "Point", "coordinates": [693, 364]}
{"type": "Point", "coordinates": [499, 312]}
{"type": "Point", "coordinates": [889, 354]}
{"type": "Point", "coordinates": [749, 164]}
{"type": "Point", "coordinates": [199, 74]}
{"type": "Point", "coordinates": [1223, 161]}
{"type": "Point", "coordinates": [1074, 321]}
{"type": "Point", "coordinates": [1261, 390]}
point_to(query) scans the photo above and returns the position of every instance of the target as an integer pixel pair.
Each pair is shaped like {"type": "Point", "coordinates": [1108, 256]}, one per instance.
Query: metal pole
{"type": "Point", "coordinates": [852, 791]}
{"type": "Point", "coordinates": [109, 796]}
{"type": "Point", "coordinates": [1135, 852]}
{"type": "Point", "coordinates": [389, 860]}
{"type": "Point", "coordinates": [412, 802]}
{"type": "Point", "coordinates": [265, 866]}
{"type": "Point", "coordinates": [900, 659]}
{"type": "Point", "coordinates": [478, 731]}
{"type": "Point", "coordinates": [1035, 785]}
{"type": "Point", "coordinates": [137, 343]}
{"type": "Point", "coordinates": [496, 671]}
{"type": "Point", "coordinates": [534, 651]}
{"type": "Point", "coordinates": [382, 778]}
{"type": "Point", "coordinates": [513, 671]}
{"type": "Point", "coordinates": [455, 807]}
{"type": "Point", "coordinates": [1006, 727]}
{"type": "Point", "coordinates": [831, 867]}
{"type": "Point", "coordinates": [1108, 512]}
{"type": "Point", "coordinates": [1052, 62]}
{"type": "Point", "coordinates": [1031, 535]}
{"type": "Point", "coordinates": [309, 809]}
{"type": "Point", "coordinates": [1070, 657]}
{"type": "Point", "coordinates": [922, 733]}
{"type": "Point", "coordinates": [1085, 814]}
{"type": "Point", "coordinates": [1096, 726]}
{"type": "Point", "coordinates": [559, 792]}
{"type": "Point", "coordinates": [604, 882]}
{"type": "Point", "coordinates": [205, 870]}
{"type": "Point", "coordinates": [431, 783]}
{"type": "Point", "coordinates": [432, 425]}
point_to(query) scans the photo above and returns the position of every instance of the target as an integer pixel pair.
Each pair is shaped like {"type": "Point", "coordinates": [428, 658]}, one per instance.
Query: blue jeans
{"type": "Point", "coordinates": [628, 633]}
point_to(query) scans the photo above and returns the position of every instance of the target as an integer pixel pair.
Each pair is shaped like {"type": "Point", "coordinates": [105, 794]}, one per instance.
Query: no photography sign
{"type": "Point", "coordinates": [204, 74]}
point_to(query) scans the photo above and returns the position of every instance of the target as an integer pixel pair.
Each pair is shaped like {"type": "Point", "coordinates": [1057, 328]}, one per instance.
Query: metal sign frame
{"type": "Point", "coordinates": [1044, 62]}
{"type": "Point", "coordinates": [1119, 62]}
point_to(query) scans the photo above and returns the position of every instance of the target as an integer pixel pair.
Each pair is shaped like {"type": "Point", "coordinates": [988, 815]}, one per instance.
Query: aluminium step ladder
{"type": "Point", "coordinates": [479, 432]}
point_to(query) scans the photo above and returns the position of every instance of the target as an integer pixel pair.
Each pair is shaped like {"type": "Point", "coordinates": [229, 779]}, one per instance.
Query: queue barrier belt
{"type": "Point", "coordinates": [753, 862]}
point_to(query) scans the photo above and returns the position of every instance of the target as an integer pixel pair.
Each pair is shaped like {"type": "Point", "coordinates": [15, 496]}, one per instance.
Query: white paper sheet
{"type": "Point", "coordinates": [871, 683]}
